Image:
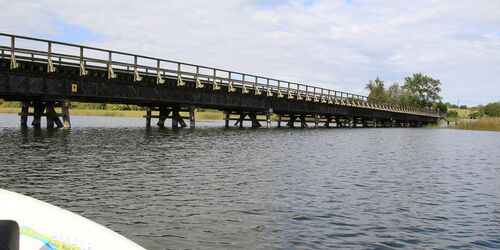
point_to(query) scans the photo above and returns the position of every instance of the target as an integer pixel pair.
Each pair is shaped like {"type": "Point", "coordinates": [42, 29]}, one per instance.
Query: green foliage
{"type": "Point", "coordinates": [423, 90]}
{"type": "Point", "coordinates": [452, 114]}
{"type": "Point", "coordinates": [441, 106]}
{"type": "Point", "coordinates": [394, 93]}
{"type": "Point", "coordinates": [492, 109]}
{"type": "Point", "coordinates": [84, 105]}
{"type": "Point", "coordinates": [463, 107]}
{"type": "Point", "coordinates": [9, 104]}
{"type": "Point", "coordinates": [377, 91]}
{"type": "Point", "coordinates": [1, 101]}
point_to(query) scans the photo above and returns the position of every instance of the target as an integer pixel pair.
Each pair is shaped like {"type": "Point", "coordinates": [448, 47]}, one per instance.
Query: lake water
{"type": "Point", "coordinates": [264, 188]}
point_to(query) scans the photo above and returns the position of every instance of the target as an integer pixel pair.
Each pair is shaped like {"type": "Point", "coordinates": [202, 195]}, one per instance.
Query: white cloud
{"type": "Point", "coordinates": [335, 44]}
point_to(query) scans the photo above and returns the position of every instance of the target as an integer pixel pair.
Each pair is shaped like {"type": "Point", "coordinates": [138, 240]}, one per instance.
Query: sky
{"type": "Point", "coordinates": [334, 44]}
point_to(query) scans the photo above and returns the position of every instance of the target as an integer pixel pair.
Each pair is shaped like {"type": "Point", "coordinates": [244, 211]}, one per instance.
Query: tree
{"type": "Point", "coordinates": [452, 114]}
{"type": "Point", "coordinates": [492, 109]}
{"type": "Point", "coordinates": [463, 107]}
{"type": "Point", "coordinates": [441, 106]}
{"type": "Point", "coordinates": [422, 90]}
{"type": "Point", "coordinates": [393, 93]}
{"type": "Point", "coordinates": [377, 91]}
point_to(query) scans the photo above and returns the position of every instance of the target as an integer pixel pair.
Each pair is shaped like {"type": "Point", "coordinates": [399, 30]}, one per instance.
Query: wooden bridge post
{"type": "Point", "coordinates": [148, 117]}
{"type": "Point", "coordinates": [65, 114]}
{"type": "Point", "coordinates": [24, 114]}
{"type": "Point", "coordinates": [162, 116]}
{"type": "Point", "coordinates": [279, 120]}
{"type": "Point", "coordinates": [255, 122]}
{"type": "Point", "coordinates": [291, 122]}
{"type": "Point", "coordinates": [52, 116]}
{"type": "Point", "coordinates": [177, 118]}
{"type": "Point", "coordinates": [192, 111]}
{"type": "Point", "coordinates": [328, 120]}
{"type": "Point", "coordinates": [268, 119]}
{"type": "Point", "coordinates": [226, 123]}
{"type": "Point", "coordinates": [50, 113]}
{"type": "Point", "coordinates": [303, 123]}
{"type": "Point", "coordinates": [38, 112]}
{"type": "Point", "coordinates": [242, 117]}
{"type": "Point", "coordinates": [316, 120]}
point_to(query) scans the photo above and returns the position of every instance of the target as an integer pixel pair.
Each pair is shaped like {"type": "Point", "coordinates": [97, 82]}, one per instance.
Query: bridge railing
{"type": "Point", "coordinates": [54, 54]}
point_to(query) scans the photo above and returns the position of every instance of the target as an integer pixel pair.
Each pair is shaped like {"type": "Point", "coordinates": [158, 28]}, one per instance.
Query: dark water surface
{"type": "Point", "coordinates": [264, 188]}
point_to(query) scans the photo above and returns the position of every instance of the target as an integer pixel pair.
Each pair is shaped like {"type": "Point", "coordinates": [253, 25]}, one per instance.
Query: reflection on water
{"type": "Point", "coordinates": [264, 188]}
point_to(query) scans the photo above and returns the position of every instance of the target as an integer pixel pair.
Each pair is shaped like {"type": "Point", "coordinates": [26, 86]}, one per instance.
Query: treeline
{"type": "Point", "coordinates": [488, 110]}
{"type": "Point", "coordinates": [418, 91]}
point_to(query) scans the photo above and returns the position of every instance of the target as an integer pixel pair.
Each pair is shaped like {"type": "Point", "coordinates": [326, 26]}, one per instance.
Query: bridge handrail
{"type": "Point", "coordinates": [283, 87]}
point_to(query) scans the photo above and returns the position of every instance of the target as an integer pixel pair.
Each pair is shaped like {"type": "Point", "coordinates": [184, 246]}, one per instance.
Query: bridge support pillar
{"type": "Point", "coordinates": [255, 122]}
{"type": "Point", "coordinates": [374, 122]}
{"type": "Point", "coordinates": [51, 115]}
{"type": "Point", "coordinates": [268, 120]}
{"type": "Point", "coordinates": [162, 117]}
{"type": "Point", "coordinates": [37, 116]}
{"type": "Point", "coordinates": [279, 120]}
{"type": "Point", "coordinates": [393, 123]}
{"type": "Point", "coordinates": [351, 122]}
{"type": "Point", "coordinates": [24, 114]}
{"type": "Point", "coordinates": [177, 119]}
{"type": "Point", "coordinates": [226, 122]}
{"type": "Point", "coordinates": [303, 123]}
{"type": "Point", "coordinates": [148, 117]}
{"type": "Point", "coordinates": [240, 121]}
{"type": "Point", "coordinates": [192, 111]}
{"type": "Point", "coordinates": [328, 121]}
{"type": "Point", "coordinates": [316, 120]}
{"type": "Point", "coordinates": [291, 122]}
{"type": "Point", "coordinates": [65, 114]}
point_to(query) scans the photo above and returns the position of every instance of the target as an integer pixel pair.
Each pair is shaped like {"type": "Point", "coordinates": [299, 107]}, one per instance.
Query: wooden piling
{"type": "Point", "coordinates": [279, 120]}
{"type": "Point", "coordinates": [192, 111]}
{"type": "Point", "coordinates": [38, 112]}
{"type": "Point", "coordinates": [50, 113]}
{"type": "Point", "coordinates": [328, 121]}
{"type": "Point", "coordinates": [303, 123]}
{"type": "Point", "coordinates": [148, 117]}
{"type": "Point", "coordinates": [291, 122]}
{"type": "Point", "coordinates": [316, 120]}
{"type": "Point", "coordinates": [65, 114]}
{"type": "Point", "coordinates": [162, 116]}
{"type": "Point", "coordinates": [226, 124]}
{"type": "Point", "coordinates": [242, 117]}
{"type": "Point", "coordinates": [24, 114]}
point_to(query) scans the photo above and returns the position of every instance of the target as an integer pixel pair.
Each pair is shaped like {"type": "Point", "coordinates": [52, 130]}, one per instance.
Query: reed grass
{"type": "Point", "coordinates": [488, 124]}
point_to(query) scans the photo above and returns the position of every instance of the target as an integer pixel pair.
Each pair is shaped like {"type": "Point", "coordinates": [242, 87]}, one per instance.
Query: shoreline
{"type": "Point", "coordinates": [201, 115]}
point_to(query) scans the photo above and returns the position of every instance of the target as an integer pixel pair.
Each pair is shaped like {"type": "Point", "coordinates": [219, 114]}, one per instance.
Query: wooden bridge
{"type": "Point", "coordinates": [45, 74]}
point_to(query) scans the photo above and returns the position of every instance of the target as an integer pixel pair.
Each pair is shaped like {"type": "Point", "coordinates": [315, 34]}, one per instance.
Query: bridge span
{"type": "Point", "coordinates": [44, 74]}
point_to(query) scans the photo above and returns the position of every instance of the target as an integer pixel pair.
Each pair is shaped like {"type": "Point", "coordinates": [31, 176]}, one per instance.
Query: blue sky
{"type": "Point", "coordinates": [336, 44]}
